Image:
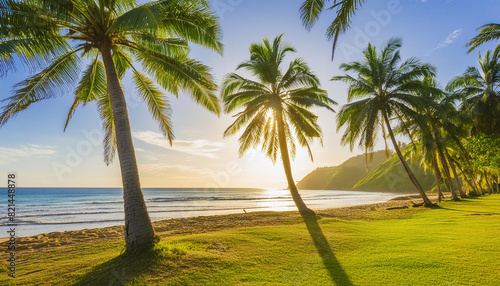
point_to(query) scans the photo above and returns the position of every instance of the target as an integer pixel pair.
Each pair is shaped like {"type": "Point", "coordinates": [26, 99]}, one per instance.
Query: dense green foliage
{"type": "Point", "coordinates": [484, 151]}
{"type": "Point", "coordinates": [479, 90]}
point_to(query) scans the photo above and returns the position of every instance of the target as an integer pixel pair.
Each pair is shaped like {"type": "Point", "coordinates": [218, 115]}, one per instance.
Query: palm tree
{"type": "Point", "coordinates": [480, 91]}
{"type": "Point", "coordinates": [489, 32]}
{"type": "Point", "coordinates": [275, 106]}
{"type": "Point", "coordinates": [387, 91]}
{"type": "Point", "coordinates": [426, 130]}
{"type": "Point", "coordinates": [345, 9]}
{"type": "Point", "coordinates": [113, 37]}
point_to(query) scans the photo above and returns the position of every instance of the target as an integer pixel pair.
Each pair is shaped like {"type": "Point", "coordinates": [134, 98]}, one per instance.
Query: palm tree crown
{"type": "Point", "coordinates": [275, 107]}
{"type": "Point", "coordinates": [384, 87]}
{"type": "Point", "coordinates": [489, 32]}
{"type": "Point", "coordinates": [345, 9]}
{"type": "Point", "coordinates": [276, 96]}
{"type": "Point", "coordinates": [480, 90]}
{"type": "Point", "coordinates": [154, 35]}
{"type": "Point", "coordinates": [386, 90]}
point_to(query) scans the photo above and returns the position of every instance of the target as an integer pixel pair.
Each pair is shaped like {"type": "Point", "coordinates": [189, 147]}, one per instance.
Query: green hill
{"type": "Point", "coordinates": [382, 174]}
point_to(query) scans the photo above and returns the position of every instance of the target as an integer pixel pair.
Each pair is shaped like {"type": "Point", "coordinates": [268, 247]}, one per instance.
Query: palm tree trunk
{"type": "Point", "coordinates": [413, 179]}
{"type": "Point", "coordinates": [139, 232]}
{"type": "Point", "coordinates": [448, 177]}
{"type": "Point", "coordinates": [457, 179]}
{"type": "Point", "coordinates": [438, 177]}
{"type": "Point", "coordinates": [492, 182]}
{"type": "Point", "coordinates": [297, 199]}
{"type": "Point", "coordinates": [490, 187]}
{"type": "Point", "coordinates": [478, 185]}
{"type": "Point", "coordinates": [446, 181]}
{"type": "Point", "coordinates": [445, 167]}
{"type": "Point", "coordinates": [469, 182]}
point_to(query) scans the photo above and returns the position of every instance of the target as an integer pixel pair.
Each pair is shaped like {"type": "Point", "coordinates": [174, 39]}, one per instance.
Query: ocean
{"type": "Point", "coordinates": [43, 210]}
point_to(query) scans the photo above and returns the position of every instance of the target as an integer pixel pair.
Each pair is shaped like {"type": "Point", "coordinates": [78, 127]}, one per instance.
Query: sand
{"type": "Point", "coordinates": [179, 226]}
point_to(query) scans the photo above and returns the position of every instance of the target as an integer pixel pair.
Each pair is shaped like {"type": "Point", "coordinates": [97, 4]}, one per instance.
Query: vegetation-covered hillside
{"type": "Point", "coordinates": [382, 174]}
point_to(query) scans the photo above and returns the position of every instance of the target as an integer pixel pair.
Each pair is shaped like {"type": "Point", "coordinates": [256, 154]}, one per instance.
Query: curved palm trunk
{"type": "Point", "coordinates": [448, 175]}
{"type": "Point", "coordinates": [139, 233]}
{"type": "Point", "coordinates": [457, 180]}
{"type": "Point", "coordinates": [478, 185]}
{"type": "Point", "coordinates": [297, 199]}
{"type": "Point", "coordinates": [446, 180]}
{"type": "Point", "coordinates": [446, 168]}
{"type": "Point", "coordinates": [469, 182]}
{"type": "Point", "coordinates": [455, 175]}
{"type": "Point", "coordinates": [413, 179]}
{"type": "Point", "coordinates": [490, 187]}
{"type": "Point", "coordinates": [493, 186]}
{"type": "Point", "coordinates": [438, 177]}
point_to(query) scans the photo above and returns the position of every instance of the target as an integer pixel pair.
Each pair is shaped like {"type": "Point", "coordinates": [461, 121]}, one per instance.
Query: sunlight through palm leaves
{"type": "Point", "coordinates": [276, 107]}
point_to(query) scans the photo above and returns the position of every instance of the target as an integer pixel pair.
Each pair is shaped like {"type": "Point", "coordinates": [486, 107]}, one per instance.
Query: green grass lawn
{"type": "Point", "coordinates": [455, 244]}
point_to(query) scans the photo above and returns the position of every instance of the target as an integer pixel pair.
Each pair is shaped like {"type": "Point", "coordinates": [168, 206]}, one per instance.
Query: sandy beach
{"type": "Point", "coordinates": [202, 224]}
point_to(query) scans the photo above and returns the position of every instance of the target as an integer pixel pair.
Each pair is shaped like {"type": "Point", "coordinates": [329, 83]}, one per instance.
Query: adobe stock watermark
{"type": "Point", "coordinates": [372, 29]}
{"type": "Point", "coordinates": [233, 168]}
{"type": "Point", "coordinates": [75, 154]}
{"type": "Point", "coordinates": [221, 7]}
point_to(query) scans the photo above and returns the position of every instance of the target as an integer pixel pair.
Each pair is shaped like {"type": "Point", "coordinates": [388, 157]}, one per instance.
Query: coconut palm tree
{"type": "Point", "coordinates": [489, 32]}
{"type": "Point", "coordinates": [345, 9]}
{"type": "Point", "coordinates": [275, 106]}
{"type": "Point", "coordinates": [426, 130]}
{"type": "Point", "coordinates": [480, 92]}
{"type": "Point", "coordinates": [386, 90]}
{"type": "Point", "coordinates": [112, 36]}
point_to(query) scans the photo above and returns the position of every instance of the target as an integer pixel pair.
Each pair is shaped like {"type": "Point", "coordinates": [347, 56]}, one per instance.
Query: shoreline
{"type": "Point", "coordinates": [98, 208]}
{"type": "Point", "coordinates": [202, 224]}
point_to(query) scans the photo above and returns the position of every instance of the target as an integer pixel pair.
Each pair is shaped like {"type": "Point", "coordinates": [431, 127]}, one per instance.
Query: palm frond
{"type": "Point", "coordinates": [50, 82]}
{"type": "Point", "coordinates": [175, 74]}
{"type": "Point", "coordinates": [108, 126]}
{"type": "Point", "coordinates": [156, 102]}
{"type": "Point", "coordinates": [487, 33]}
{"type": "Point", "coordinates": [310, 12]}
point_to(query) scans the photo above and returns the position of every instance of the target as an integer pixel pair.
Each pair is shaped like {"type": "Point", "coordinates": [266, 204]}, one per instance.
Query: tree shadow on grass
{"type": "Point", "coordinates": [335, 270]}
{"type": "Point", "coordinates": [119, 270]}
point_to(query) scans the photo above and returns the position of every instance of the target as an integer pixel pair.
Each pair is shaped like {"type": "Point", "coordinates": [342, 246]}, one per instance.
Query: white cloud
{"type": "Point", "coordinates": [201, 147]}
{"type": "Point", "coordinates": [42, 146]}
{"type": "Point", "coordinates": [13, 154]}
{"type": "Point", "coordinates": [448, 41]}
{"type": "Point", "coordinates": [166, 167]}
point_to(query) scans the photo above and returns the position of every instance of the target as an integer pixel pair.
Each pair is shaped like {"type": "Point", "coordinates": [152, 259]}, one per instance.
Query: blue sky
{"type": "Point", "coordinates": [35, 147]}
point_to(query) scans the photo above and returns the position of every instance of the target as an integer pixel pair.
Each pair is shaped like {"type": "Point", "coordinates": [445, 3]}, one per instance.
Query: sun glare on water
{"type": "Point", "coordinates": [276, 200]}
